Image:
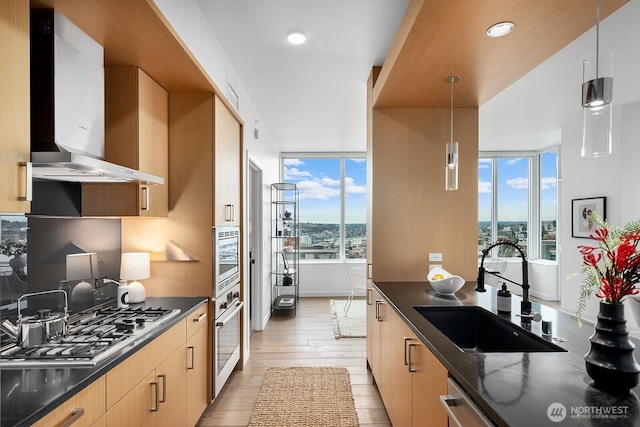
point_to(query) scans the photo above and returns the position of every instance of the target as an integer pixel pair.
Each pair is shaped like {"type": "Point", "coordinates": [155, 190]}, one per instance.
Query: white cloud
{"type": "Point", "coordinates": [484, 187]}
{"type": "Point", "coordinates": [518, 183]}
{"type": "Point", "coordinates": [291, 174]}
{"type": "Point", "coordinates": [351, 188]}
{"type": "Point", "coordinates": [293, 162]}
{"type": "Point", "coordinates": [330, 181]}
{"type": "Point", "coordinates": [511, 162]}
{"type": "Point", "coordinates": [547, 183]}
{"type": "Point", "coordinates": [484, 163]}
{"type": "Point", "coordinates": [315, 190]}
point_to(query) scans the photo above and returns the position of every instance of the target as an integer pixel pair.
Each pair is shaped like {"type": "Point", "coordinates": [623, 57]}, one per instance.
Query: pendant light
{"type": "Point", "coordinates": [597, 94]}
{"type": "Point", "coordinates": [451, 162]}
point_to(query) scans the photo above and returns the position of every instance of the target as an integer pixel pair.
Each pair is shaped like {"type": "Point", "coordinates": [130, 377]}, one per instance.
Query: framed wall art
{"type": "Point", "coordinates": [581, 224]}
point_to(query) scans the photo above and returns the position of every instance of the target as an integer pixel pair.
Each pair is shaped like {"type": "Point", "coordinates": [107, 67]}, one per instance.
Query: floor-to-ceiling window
{"type": "Point", "coordinates": [517, 201]}
{"type": "Point", "coordinates": [333, 200]}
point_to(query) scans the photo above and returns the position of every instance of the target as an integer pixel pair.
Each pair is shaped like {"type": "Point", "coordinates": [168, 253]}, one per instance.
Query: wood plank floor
{"type": "Point", "coordinates": [304, 340]}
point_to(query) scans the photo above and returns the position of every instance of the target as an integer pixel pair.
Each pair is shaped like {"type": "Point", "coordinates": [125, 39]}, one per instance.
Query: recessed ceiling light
{"type": "Point", "coordinates": [296, 38]}
{"type": "Point", "coordinates": [500, 29]}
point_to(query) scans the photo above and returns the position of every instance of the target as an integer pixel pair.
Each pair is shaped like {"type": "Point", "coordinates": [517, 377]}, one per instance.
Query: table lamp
{"type": "Point", "coordinates": [135, 266]}
{"type": "Point", "coordinates": [82, 267]}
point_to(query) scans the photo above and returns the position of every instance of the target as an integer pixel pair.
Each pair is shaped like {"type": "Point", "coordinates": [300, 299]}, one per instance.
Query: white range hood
{"type": "Point", "coordinates": [67, 106]}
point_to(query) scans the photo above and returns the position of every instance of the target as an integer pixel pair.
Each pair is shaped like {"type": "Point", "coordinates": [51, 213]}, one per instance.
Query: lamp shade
{"type": "Point", "coordinates": [82, 266]}
{"type": "Point", "coordinates": [135, 266]}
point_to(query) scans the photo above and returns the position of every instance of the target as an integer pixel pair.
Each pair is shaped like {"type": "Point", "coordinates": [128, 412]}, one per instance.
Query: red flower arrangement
{"type": "Point", "coordinates": [612, 267]}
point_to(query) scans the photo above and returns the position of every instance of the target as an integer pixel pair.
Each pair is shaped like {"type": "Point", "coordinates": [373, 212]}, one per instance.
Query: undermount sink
{"type": "Point", "coordinates": [476, 330]}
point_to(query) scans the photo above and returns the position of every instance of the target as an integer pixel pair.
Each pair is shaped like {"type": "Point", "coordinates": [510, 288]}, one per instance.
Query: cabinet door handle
{"type": "Point", "coordinates": [410, 364]}
{"type": "Point", "coordinates": [164, 388]}
{"type": "Point", "coordinates": [200, 318]}
{"type": "Point", "coordinates": [369, 268]}
{"type": "Point", "coordinates": [28, 182]}
{"type": "Point", "coordinates": [76, 414]}
{"type": "Point", "coordinates": [231, 212]}
{"type": "Point", "coordinates": [155, 408]}
{"type": "Point", "coordinates": [378, 304]}
{"type": "Point", "coordinates": [193, 351]}
{"type": "Point", "coordinates": [406, 340]}
{"type": "Point", "coordinates": [368, 295]}
{"type": "Point", "coordinates": [145, 204]}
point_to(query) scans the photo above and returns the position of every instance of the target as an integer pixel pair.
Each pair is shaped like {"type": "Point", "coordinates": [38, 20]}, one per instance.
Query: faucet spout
{"type": "Point", "coordinates": [525, 305]}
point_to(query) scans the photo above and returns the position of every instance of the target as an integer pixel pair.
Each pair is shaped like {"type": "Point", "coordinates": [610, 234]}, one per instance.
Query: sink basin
{"type": "Point", "coordinates": [476, 330]}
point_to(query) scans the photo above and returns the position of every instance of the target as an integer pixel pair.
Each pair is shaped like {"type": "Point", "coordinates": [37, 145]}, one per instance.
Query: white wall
{"type": "Point", "coordinates": [187, 20]}
{"type": "Point", "coordinates": [317, 279]}
{"type": "Point", "coordinates": [543, 108]}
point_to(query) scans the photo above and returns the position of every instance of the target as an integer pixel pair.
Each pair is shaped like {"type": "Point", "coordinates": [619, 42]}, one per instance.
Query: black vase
{"type": "Point", "coordinates": [610, 362]}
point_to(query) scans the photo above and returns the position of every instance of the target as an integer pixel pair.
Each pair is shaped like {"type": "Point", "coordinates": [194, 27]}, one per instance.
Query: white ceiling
{"type": "Point", "coordinates": [310, 97]}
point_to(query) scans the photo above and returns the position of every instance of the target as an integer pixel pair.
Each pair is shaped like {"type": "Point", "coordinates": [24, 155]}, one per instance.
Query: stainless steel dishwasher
{"type": "Point", "coordinates": [461, 409]}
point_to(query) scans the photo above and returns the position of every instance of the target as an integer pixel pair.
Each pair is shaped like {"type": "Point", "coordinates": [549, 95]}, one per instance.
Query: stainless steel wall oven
{"type": "Point", "coordinates": [226, 328]}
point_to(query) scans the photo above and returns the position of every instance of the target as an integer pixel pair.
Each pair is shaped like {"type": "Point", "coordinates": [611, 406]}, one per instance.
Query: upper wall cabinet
{"type": "Point", "coordinates": [136, 136]}
{"type": "Point", "coordinates": [15, 143]}
{"type": "Point", "coordinates": [226, 158]}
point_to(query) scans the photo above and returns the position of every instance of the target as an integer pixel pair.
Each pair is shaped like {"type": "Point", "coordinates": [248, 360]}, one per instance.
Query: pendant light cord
{"type": "Point", "coordinates": [452, 81]}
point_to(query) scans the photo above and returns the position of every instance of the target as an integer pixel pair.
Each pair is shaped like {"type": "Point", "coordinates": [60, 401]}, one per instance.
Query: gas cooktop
{"type": "Point", "coordinates": [92, 337]}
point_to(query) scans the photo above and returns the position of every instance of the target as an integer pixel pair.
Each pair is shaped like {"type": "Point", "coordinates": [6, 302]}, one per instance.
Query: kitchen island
{"type": "Point", "coordinates": [28, 395]}
{"type": "Point", "coordinates": [516, 388]}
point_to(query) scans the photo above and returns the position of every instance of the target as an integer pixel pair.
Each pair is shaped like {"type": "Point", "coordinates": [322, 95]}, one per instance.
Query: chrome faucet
{"type": "Point", "coordinates": [525, 306]}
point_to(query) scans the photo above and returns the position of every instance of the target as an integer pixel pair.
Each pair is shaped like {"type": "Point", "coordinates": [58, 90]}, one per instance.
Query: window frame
{"type": "Point", "coordinates": [342, 157]}
{"type": "Point", "coordinates": [534, 226]}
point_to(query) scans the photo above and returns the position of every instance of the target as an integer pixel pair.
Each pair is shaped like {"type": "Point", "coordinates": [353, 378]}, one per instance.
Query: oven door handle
{"type": "Point", "coordinates": [235, 311]}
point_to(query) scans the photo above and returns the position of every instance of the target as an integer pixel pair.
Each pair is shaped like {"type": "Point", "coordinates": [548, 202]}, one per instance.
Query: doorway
{"type": "Point", "coordinates": [255, 227]}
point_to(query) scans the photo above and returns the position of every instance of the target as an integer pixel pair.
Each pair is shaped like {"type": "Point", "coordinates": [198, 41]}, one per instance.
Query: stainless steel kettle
{"type": "Point", "coordinates": [33, 331]}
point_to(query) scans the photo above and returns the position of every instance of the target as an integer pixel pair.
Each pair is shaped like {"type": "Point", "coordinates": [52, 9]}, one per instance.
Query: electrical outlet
{"type": "Point", "coordinates": [435, 257]}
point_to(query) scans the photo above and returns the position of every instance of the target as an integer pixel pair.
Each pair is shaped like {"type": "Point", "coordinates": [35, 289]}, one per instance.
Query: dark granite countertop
{"type": "Point", "coordinates": [517, 389]}
{"type": "Point", "coordinates": [29, 394]}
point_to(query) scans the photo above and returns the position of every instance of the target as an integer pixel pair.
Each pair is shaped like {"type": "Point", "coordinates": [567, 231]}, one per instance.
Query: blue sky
{"type": "Point", "coordinates": [513, 178]}
{"type": "Point", "coordinates": [318, 180]}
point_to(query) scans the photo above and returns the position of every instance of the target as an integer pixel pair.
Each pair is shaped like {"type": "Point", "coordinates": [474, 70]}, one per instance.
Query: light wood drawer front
{"type": "Point", "coordinates": [90, 400]}
{"type": "Point", "coordinates": [130, 372]}
{"type": "Point", "coordinates": [196, 320]}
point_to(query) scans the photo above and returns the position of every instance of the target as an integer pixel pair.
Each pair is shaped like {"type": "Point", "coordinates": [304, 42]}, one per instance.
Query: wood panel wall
{"type": "Point", "coordinates": [190, 202]}
{"type": "Point", "coordinates": [411, 213]}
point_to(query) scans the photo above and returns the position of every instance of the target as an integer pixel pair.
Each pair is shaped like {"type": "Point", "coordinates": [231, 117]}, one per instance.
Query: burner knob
{"type": "Point", "coordinates": [224, 305]}
{"type": "Point", "coordinates": [236, 294]}
{"type": "Point", "coordinates": [124, 327]}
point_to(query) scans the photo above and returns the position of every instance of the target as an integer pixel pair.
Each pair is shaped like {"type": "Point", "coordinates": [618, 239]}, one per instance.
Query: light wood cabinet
{"type": "Point", "coordinates": [171, 376]}
{"type": "Point", "coordinates": [83, 409]}
{"type": "Point", "coordinates": [227, 175]}
{"type": "Point", "coordinates": [196, 365]}
{"type": "Point", "coordinates": [429, 383]}
{"type": "Point", "coordinates": [136, 136]}
{"type": "Point", "coordinates": [122, 379]}
{"type": "Point", "coordinates": [402, 376]}
{"type": "Point", "coordinates": [409, 377]}
{"type": "Point", "coordinates": [139, 407]}
{"type": "Point", "coordinates": [379, 333]}
{"type": "Point", "coordinates": [15, 143]}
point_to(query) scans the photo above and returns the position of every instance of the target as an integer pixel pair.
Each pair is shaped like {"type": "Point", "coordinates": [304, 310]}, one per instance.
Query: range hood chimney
{"type": "Point", "coordinates": [67, 106]}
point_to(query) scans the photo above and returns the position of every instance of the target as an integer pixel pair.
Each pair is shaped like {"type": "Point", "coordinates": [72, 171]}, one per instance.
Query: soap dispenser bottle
{"type": "Point", "coordinates": [504, 300]}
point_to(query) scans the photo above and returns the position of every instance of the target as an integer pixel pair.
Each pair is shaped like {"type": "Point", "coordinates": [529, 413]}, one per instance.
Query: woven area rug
{"type": "Point", "coordinates": [350, 325]}
{"type": "Point", "coordinates": [305, 396]}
